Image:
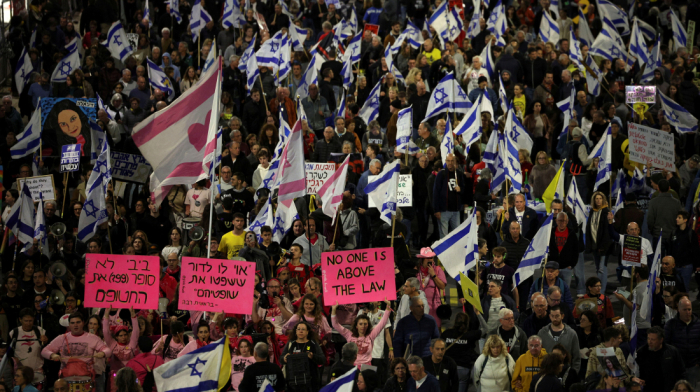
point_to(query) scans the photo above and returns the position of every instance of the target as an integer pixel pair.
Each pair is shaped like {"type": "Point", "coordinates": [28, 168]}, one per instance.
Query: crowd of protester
{"type": "Point", "coordinates": [536, 336]}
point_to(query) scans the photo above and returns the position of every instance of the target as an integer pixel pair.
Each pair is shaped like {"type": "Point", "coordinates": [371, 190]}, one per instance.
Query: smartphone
{"type": "Point", "coordinates": [623, 292]}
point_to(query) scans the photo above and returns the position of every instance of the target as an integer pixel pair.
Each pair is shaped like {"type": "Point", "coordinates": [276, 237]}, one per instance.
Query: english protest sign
{"type": "Point", "coordinates": [356, 276]}
{"type": "Point", "coordinates": [216, 285]}
{"type": "Point", "coordinates": [122, 281]}
{"type": "Point", "coordinates": [39, 186]}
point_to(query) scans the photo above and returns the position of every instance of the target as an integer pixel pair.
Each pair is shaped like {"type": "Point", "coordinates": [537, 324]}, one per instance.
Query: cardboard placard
{"type": "Point", "coordinates": [39, 186]}
{"type": "Point", "coordinates": [355, 276]}
{"type": "Point", "coordinates": [372, 27]}
{"type": "Point", "coordinates": [122, 281]}
{"type": "Point", "coordinates": [70, 157]}
{"type": "Point", "coordinates": [130, 167]}
{"type": "Point", "coordinates": [632, 251]}
{"type": "Point", "coordinates": [216, 285]}
{"type": "Point", "coordinates": [643, 94]}
{"type": "Point", "coordinates": [404, 193]}
{"type": "Point", "coordinates": [316, 176]}
{"type": "Point", "coordinates": [649, 144]}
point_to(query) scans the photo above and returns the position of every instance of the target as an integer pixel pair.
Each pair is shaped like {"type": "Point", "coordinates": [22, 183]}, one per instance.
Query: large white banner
{"type": "Point", "coordinates": [651, 145]}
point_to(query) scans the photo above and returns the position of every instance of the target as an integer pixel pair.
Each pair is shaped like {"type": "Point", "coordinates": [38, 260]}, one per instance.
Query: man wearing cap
{"type": "Point", "coordinates": [551, 278]}
{"type": "Point", "coordinates": [483, 88]}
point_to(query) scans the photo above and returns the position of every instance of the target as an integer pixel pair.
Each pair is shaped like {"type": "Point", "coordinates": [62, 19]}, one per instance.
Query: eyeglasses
{"type": "Point", "coordinates": [508, 318]}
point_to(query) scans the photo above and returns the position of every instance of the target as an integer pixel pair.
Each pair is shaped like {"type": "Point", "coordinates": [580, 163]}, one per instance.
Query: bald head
{"type": "Point", "coordinates": [633, 229]}
{"type": "Point", "coordinates": [514, 230]}
{"type": "Point", "coordinates": [60, 385]}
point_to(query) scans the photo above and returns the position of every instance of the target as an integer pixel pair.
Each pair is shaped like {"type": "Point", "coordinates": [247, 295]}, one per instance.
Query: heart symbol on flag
{"type": "Point", "coordinates": [197, 133]}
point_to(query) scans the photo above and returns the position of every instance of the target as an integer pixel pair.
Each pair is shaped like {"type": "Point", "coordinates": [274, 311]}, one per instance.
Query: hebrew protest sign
{"type": "Point", "coordinates": [130, 167]}
{"type": "Point", "coordinates": [404, 193]}
{"type": "Point", "coordinates": [356, 276]}
{"type": "Point", "coordinates": [316, 176]}
{"type": "Point", "coordinates": [216, 285]}
{"type": "Point", "coordinates": [70, 157]}
{"type": "Point", "coordinates": [122, 281]}
{"type": "Point", "coordinates": [649, 144]}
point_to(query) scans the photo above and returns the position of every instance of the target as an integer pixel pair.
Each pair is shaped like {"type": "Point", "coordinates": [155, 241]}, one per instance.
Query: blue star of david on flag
{"type": "Point", "coordinates": [440, 95]}
{"type": "Point", "coordinates": [274, 46]}
{"type": "Point", "coordinates": [461, 93]}
{"type": "Point", "coordinates": [116, 40]}
{"type": "Point", "coordinates": [63, 68]}
{"type": "Point", "coordinates": [90, 209]}
{"type": "Point", "coordinates": [279, 225]}
{"type": "Point", "coordinates": [515, 134]}
{"type": "Point", "coordinates": [193, 366]}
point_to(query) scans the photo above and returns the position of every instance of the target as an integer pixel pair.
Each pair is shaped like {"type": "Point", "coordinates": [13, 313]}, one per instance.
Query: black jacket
{"type": "Point", "coordinates": [549, 383]}
{"type": "Point", "coordinates": [529, 226]}
{"type": "Point", "coordinates": [323, 150]}
{"type": "Point", "coordinates": [602, 241]}
{"type": "Point", "coordinates": [254, 114]}
{"type": "Point", "coordinates": [661, 369]}
{"type": "Point", "coordinates": [420, 107]}
{"type": "Point", "coordinates": [515, 251]}
{"type": "Point", "coordinates": [533, 71]}
{"type": "Point", "coordinates": [684, 247]}
{"type": "Point", "coordinates": [568, 257]}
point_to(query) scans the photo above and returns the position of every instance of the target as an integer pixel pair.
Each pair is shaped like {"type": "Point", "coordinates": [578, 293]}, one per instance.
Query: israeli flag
{"type": "Point", "coordinates": [388, 58]}
{"type": "Point", "coordinates": [567, 107]}
{"type": "Point", "coordinates": [23, 70]}
{"type": "Point", "coordinates": [654, 62]}
{"type": "Point", "coordinates": [438, 21]}
{"type": "Point", "coordinates": [32, 39]}
{"type": "Point", "coordinates": [456, 25]}
{"type": "Point", "coordinates": [491, 151]}
{"type": "Point", "coordinates": [343, 383]}
{"type": "Point", "coordinates": [603, 151]}
{"type": "Point", "coordinates": [352, 22]}
{"type": "Point", "coordinates": [575, 51]}
{"type": "Point", "coordinates": [382, 190]}
{"type": "Point", "coordinates": [342, 105]}
{"type": "Point", "coordinates": [301, 114]}
{"type": "Point", "coordinates": [354, 49]}
{"type": "Point", "coordinates": [212, 160]}
{"type": "Point", "coordinates": [101, 105]}
{"type": "Point", "coordinates": [370, 110]}
{"type": "Point", "coordinates": [404, 127]}
{"type": "Point", "coordinates": [680, 37]}
{"type": "Point", "coordinates": [347, 74]}
{"type": "Point", "coordinates": [584, 31]}
{"type": "Point", "coordinates": [607, 46]}
{"type": "Point", "coordinates": [158, 78]}
{"type": "Point", "coordinates": [619, 202]}
{"type": "Point", "coordinates": [632, 356]}
{"type": "Point", "coordinates": [269, 54]}
{"type": "Point", "coordinates": [517, 133]}
{"type": "Point", "coordinates": [286, 61]}
{"type": "Point", "coordinates": [285, 215]}
{"type": "Point", "coordinates": [447, 96]}
{"type": "Point", "coordinates": [470, 126]}
{"type": "Point", "coordinates": [21, 218]}
{"type": "Point", "coordinates": [594, 78]}
{"type": "Point", "coordinates": [452, 249]}
{"type": "Point", "coordinates": [511, 159]}
{"type": "Point", "coordinates": [29, 140]}
{"type": "Point", "coordinates": [474, 26]}
{"type": "Point", "coordinates": [535, 253]}
{"type": "Point", "coordinates": [40, 228]}
{"type": "Point", "coordinates": [447, 146]}
{"type": "Point", "coordinates": [615, 14]}
{"type": "Point", "coordinates": [487, 62]}
{"type": "Point", "coordinates": [647, 30]}
{"type": "Point", "coordinates": [415, 37]}
{"type": "Point", "coordinates": [677, 116]}
{"type": "Point", "coordinates": [500, 172]}
{"type": "Point", "coordinates": [654, 272]}
{"type": "Point", "coordinates": [425, 27]}
{"type": "Point", "coordinates": [638, 47]}
{"type": "Point", "coordinates": [94, 211]}
{"type": "Point", "coordinates": [502, 95]}
{"type": "Point", "coordinates": [211, 57]}
{"type": "Point", "coordinates": [68, 64]}
{"type": "Point", "coordinates": [247, 54]}
{"type": "Point", "coordinates": [97, 139]}
{"type": "Point", "coordinates": [310, 77]}
{"type": "Point", "coordinates": [206, 369]}
{"type": "Point", "coordinates": [498, 23]}
{"type": "Point", "coordinates": [232, 15]}
{"type": "Point", "coordinates": [175, 10]}
{"type": "Point", "coordinates": [549, 29]}
{"type": "Point", "coordinates": [341, 32]}
{"type": "Point", "coordinates": [147, 14]}
{"type": "Point", "coordinates": [252, 73]}
{"type": "Point", "coordinates": [575, 202]}
{"type": "Point", "coordinates": [198, 19]}
{"type": "Point", "coordinates": [298, 36]}
{"type": "Point", "coordinates": [261, 219]}
{"type": "Point", "coordinates": [117, 43]}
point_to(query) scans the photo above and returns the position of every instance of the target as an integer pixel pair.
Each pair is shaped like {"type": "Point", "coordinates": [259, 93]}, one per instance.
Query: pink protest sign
{"type": "Point", "coordinates": [122, 281]}
{"type": "Point", "coordinates": [217, 285]}
{"type": "Point", "coordinates": [355, 276]}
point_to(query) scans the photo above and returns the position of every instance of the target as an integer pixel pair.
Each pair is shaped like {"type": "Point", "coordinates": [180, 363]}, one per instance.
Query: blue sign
{"type": "Point", "coordinates": [70, 157]}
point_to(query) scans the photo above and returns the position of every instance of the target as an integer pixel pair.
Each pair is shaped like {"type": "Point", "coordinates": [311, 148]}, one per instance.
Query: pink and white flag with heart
{"type": "Point", "coordinates": [176, 140]}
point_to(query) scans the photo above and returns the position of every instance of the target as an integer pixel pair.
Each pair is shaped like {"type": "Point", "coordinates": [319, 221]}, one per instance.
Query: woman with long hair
{"type": "Point", "coordinates": [241, 361]}
{"type": "Point", "coordinates": [367, 381]}
{"type": "Point", "coordinates": [293, 293]}
{"type": "Point", "coordinates": [542, 174]}
{"type": "Point", "coordinates": [145, 327]}
{"type": "Point", "coordinates": [398, 380]}
{"type": "Point", "coordinates": [537, 124]}
{"type": "Point", "coordinates": [189, 79]}
{"type": "Point", "coordinates": [302, 339]}
{"type": "Point", "coordinates": [123, 347]}
{"type": "Point", "coordinates": [310, 311]}
{"type": "Point", "coordinates": [274, 341]}
{"type": "Point", "coordinates": [494, 367]}
{"type": "Point", "coordinates": [597, 237]}
{"type": "Point", "coordinates": [68, 124]}
{"type": "Point", "coordinates": [26, 282]}
{"type": "Point", "coordinates": [269, 137]}
{"type": "Point", "coordinates": [525, 163]}
{"type": "Point", "coordinates": [126, 381]}
{"type": "Point", "coordinates": [362, 333]}
{"type": "Point", "coordinates": [24, 376]}
{"type": "Point", "coordinates": [175, 243]}
{"type": "Point", "coordinates": [567, 375]}
{"type": "Point", "coordinates": [587, 118]}
{"type": "Point", "coordinates": [548, 377]}
{"type": "Point", "coordinates": [683, 386]}
{"type": "Point", "coordinates": [202, 340]}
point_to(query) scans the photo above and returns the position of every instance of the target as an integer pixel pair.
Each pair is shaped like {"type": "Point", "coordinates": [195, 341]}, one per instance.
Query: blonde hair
{"type": "Point", "coordinates": [411, 78]}
{"type": "Point", "coordinates": [546, 156]}
{"type": "Point", "coordinates": [494, 341]}
{"type": "Point", "coordinates": [605, 201]}
{"type": "Point", "coordinates": [526, 154]}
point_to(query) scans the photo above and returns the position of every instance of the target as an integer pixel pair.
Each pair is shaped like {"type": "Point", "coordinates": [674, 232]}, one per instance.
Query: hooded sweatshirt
{"type": "Point", "coordinates": [525, 368]}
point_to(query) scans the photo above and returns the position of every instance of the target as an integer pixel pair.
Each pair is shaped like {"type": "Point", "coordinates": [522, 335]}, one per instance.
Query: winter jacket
{"type": "Point", "coordinates": [312, 107]}
{"type": "Point", "coordinates": [515, 250]}
{"type": "Point", "coordinates": [534, 71]}
{"type": "Point", "coordinates": [415, 333]}
{"type": "Point", "coordinates": [568, 256]}
{"type": "Point", "coordinates": [508, 301]}
{"type": "Point", "coordinates": [684, 247]}
{"type": "Point", "coordinates": [624, 216]}
{"type": "Point", "coordinates": [602, 241]}
{"type": "Point", "coordinates": [547, 383]}
{"type": "Point", "coordinates": [440, 189]}
{"type": "Point", "coordinates": [568, 339]}
{"type": "Point", "coordinates": [685, 337]}
{"type": "Point", "coordinates": [662, 370]}
{"type": "Point", "coordinates": [519, 346]}
{"type": "Point", "coordinates": [661, 214]}
{"type": "Point", "coordinates": [525, 368]}
{"type": "Point", "coordinates": [528, 227]}
{"type": "Point", "coordinates": [323, 150]}
{"type": "Point", "coordinates": [495, 374]}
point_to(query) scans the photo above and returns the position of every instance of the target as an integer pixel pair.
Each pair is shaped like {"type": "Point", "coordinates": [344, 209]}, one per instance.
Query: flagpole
{"type": "Point", "coordinates": [199, 52]}
{"type": "Point", "coordinates": [546, 256]}
{"type": "Point", "coordinates": [262, 92]}
{"type": "Point", "coordinates": [109, 235]}
{"type": "Point", "coordinates": [632, 281]}
{"type": "Point", "coordinates": [211, 209]}
{"type": "Point", "coordinates": [65, 190]}
{"type": "Point", "coordinates": [335, 230]}
{"type": "Point", "coordinates": [393, 216]}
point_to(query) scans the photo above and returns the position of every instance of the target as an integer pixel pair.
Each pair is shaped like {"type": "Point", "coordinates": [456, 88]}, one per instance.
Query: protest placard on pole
{"type": "Point", "coordinates": [70, 157]}
{"type": "Point", "coordinates": [122, 281]}
{"type": "Point", "coordinates": [355, 276]}
{"type": "Point", "coordinates": [649, 144]}
{"type": "Point", "coordinates": [216, 285]}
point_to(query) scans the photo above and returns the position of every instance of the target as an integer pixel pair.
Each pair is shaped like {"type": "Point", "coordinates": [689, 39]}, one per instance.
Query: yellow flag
{"type": "Point", "coordinates": [471, 292]}
{"type": "Point", "coordinates": [555, 190]}
{"type": "Point", "coordinates": [225, 371]}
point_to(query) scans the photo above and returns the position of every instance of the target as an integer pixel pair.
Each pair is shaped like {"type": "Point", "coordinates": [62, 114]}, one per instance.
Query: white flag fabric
{"type": "Point", "coordinates": [497, 23]}
{"type": "Point", "coordinates": [347, 74]}
{"type": "Point", "coordinates": [447, 96]}
{"type": "Point", "coordinates": [638, 49]}
{"type": "Point", "coordinates": [211, 57]}
{"type": "Point", "coordinates": [603, 151]}
{"type": "Point", "coordinates": [205, 369]}
{"type": "Point", "coordinates": [247, 54]}
{"type": "Point", "coordinates": [97, 139]}
{"type": "Point", "coordinates": [285, 215]}
{"type": "Point", "coordinates": [232, 15]}
{"type": "Point", "coordinates": [198, 19]}
{"type": "Point", "coordinates": [352, 22]}
{"type": "Point", "coordinates": [487, 62]}
{"type": "Point", "coordinates": [404, 129]}
{"type": "Point", "coordinates": [470, 126]}
{"type": "Point", "coordinates": [447, 146]}
{"type": "Point", "coordinates": [438, 21]}
{"type": "Point", "coordinates": [511, 159]}
{"type": "Point", "coordinates": [331, 192]}
{"type": "Point", "coordinates": [474, 25]}
{"type": "Point", "coordinates": [68, 64]}
{"type": "Point", "coordinates": [370, 109]}
{"type": "Point", "coordinates": [456, 25]}
{"type": "Point", "coordinates": [414, 35]}
{"type": "Point", "coordinates": [117, 43]}
{"type": "Point", "coordinates": [269, 54]}
{"type": "Point", "coordinates": [261, 219]}
{"type": "Point", "coordinates": [354, 49]}
{"type": "Point", "coordinates": [252, 73]}
{"type": "Point", "coordinates": [549, 29]}
{"type": "Point", "coordinates": [517, 133]}
{"type": "Point", "coordinates": [29, 140]}
{"type": "Point", "coordinates": [23, 70]}
{"type": "Point", "coordinates": [174, 10]}
{"type": "Point", "coordinates": [680, 36]}
{"type": "Point", "coordinates": [575, 202]}
{"type": "Point", "coordinates": [292, 174]}
{"type": "Point", "coordinates": [310, 77]}
{"type": "Point", "coordinates": [677, 116]}
{"type": "Point", "coordinates": [654, 272]}
{"type": "Point", "coordinates": [452, 248]}
{"type": "Point", "coordinates": [343, 383]}
{"type": "Point", "coordinates": [94, 211]}
{"type": "Point", "coordinates": [158, 78]}
{"type": "Point", "coordinates": [615, 14]}
{"type": "Point", "coordinates": [147, 14]}
{"type": "Point", "coordinates": [297, 35]}
{"type": "Point", "coordinates": [382, 190]}
{"type": "Point", "coordinates": [535, 253]}
{"type": "Point", "coordinates": [575, 51]}
{"type": "Point", "coordinates": [21, 218]}
{"type": "Point", "coordinates": [40, 229]}
{"type": "Point", "coordinates": [584, 31]}
{"type": "Point", "coordinates": [593, 79]}
{"type": "Point", "coordinates": [654, 62]}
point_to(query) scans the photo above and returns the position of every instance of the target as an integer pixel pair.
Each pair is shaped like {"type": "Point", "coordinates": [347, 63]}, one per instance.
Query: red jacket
{"type": "Point", "coordinates": [139, 363]}
{"type": "Point", "coordinates": [168, 287]}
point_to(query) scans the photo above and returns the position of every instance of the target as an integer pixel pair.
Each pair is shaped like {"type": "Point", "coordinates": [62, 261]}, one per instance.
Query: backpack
{"type": "Point", "coordinates": [483, 366]}
{"type": "Point", "coordinates": [149, 382]}
{"type": "Point", "coordinates": [166, 346]}
{"type": "Point", "coordinates": [15, 336]}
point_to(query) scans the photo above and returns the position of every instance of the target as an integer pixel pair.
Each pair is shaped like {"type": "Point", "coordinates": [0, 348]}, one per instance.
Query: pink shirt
{"type": "Point", "coordinates": [323, 328]}
{"type": "Point", "coordinates": [121, 353]}
{"type": "Point", "coordinates": [172, 352]}
{"type": "Point", "coordinates": [365, 344]}
{"type": "Point", "coordinates": [238, 365]}
{"type": "Point", "coordinates": [82, 347]}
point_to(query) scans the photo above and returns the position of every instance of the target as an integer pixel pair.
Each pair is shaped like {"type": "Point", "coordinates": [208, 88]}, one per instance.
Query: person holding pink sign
{"type": "Point", "coordinates": [123, 348]}
{"type": "Point", "coordinates": [362, 333]}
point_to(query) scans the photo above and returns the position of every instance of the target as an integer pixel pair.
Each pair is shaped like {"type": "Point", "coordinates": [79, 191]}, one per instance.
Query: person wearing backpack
{"type": "Point", "coordinates": [144, 364]}
{"type": "Point", "coordinates": [493, 370]}
{"type": "Point", "coordinates": [169, 346]}
{"type": "Point", "coordinates": [27, 341]}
